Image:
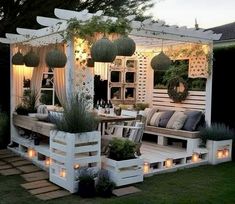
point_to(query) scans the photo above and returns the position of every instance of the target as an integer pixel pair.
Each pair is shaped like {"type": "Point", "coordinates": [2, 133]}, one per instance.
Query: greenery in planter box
{"type": "Point", "coordinates": [104, 186]}
{"type": "Point", "coordinates": [76, 118]}
{"type": "Point", "coordinates": [86, 185]}
{"type": "Point", "coordinates": [216, 132]}
{"type": "Point", "coordinates": [140, 106]}
{"type": "Point", "coordinates": [121, 149]}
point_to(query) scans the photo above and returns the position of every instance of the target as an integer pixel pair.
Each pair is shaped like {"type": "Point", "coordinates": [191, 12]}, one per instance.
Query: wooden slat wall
{"type": "Point", "coordinates": [196, 100]}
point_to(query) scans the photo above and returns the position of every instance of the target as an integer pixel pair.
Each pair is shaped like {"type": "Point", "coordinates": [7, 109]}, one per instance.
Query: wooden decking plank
{"type": "Point", "coordinates": [36, 184]}
{"type": "Point", "coordinates": [3, 156]}
{"type": "Point", "coordinates": [35, 176]}
{"type": "Point", "coordinates": [44, 189]}
{"type": "Point", "coordinates": [53, 195]}
{"type": "Point", "coordinates": [5, 151]}
{"type": "Point", "coordinates": [13, 159]}
{"type": "Point", "coordinates": [126, 191]}
{"type": "Point", "coordinates": [9, 172]}
{"type": "Point", "coordinates": [6, 166]}
{"type": "Point", "coordinates": [21, 163]}
{"type": "Point", "coordinates": [28, 169]}
{"type": "Point", "coordinates": [2, 163]}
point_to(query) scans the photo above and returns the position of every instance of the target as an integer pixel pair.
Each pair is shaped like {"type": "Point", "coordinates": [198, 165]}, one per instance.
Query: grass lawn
{"type": "Point", "coordinates": [205, 184]}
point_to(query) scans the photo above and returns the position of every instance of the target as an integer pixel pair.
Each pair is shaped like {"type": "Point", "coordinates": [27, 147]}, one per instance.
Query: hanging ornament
{"type": "Point", "coordinates": [31, 59]}
{"type": "Point", "coordinates": [125, 46]}
{"type": "Point", "coordinates": [103, 50]}
{"type": "Point", "coordinates": [160, 62]}
{"type": "Point", "coordinates": [17, 59]}
{"type": "Point", "coordinates": [56, 58]}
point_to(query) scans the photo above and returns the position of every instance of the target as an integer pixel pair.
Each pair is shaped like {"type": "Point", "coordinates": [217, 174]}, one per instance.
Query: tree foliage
{"type": "Point", "coordinates": [22, 13]}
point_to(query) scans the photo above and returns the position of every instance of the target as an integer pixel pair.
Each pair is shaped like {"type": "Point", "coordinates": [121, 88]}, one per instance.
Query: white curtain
{"type": "Point", "coordinates": [59, 81]}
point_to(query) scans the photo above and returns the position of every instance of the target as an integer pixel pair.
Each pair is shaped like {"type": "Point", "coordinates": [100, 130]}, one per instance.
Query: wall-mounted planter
{"type": "Point", "coordinates": [219, 151]}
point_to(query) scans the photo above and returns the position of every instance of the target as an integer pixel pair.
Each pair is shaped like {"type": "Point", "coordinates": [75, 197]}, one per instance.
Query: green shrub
{"type": "Point", "coordinates": [216, 132]}
{"type": "Point", "coordinates": [76, 118]}
{"type": "Point", "coordinates": [22, 110]}
{"type": "Point", "coordinates": [141, 106]}
{"type": "Point", "coordinates": [104, 186]}
{"type": "Point", "coordinates": [121, 149]}
{"type": "Point", "coordinates": [4, 122]}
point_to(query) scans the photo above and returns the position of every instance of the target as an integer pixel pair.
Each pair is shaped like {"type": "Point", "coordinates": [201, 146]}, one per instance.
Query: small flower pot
{"type": "Point", "coordinates": [86, 189]}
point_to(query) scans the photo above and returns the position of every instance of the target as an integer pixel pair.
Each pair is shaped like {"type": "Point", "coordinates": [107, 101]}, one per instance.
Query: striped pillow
{"type": "Point", "coordinates": [150, 114]}
{"type": "Point", "coordinates": [155, 119]}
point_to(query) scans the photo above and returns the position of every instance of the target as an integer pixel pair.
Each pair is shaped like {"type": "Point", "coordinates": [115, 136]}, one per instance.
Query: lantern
{"type": "Point", "coordinates": [226, 153]}
{"type": "Point", "coordinates": [146, 167]}
{"type": "Point", "coordinates": [48, 161]}
{"type": "Point", "coordinates": [18, 59]}
{"type": "Point", "coordinates": [169, 163]}
{"type": "Point", "coordinates": [125, 46]}
{"type": "Point", "coordinates": [31, 153]}
{"type": "Point", "coordinates": [63, 173]}
{"type": "Point", "coordinates": [220, 154]}
{"type": "Point", "coordinates": [31, 59]}
{"type": "Point", "coordinates": [160, 62]}
{"type": "Point", "coordinates": [103, 50]}
{"type": "Point", "coordinates": [195, 157]}
{"type": "Point", "coordinates": [56, 58]}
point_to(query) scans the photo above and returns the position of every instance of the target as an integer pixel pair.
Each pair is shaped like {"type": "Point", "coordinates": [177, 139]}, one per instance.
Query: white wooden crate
{"type": "Point", "coordinates": [124, 172]}
{"type": "Point", "coordinates": [69, 150]}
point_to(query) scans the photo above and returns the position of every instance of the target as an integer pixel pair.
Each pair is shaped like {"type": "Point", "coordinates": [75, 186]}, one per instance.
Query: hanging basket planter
{"type": "Point", "coordinates": [31, 59]}
{"type": "Point", "coordinates": [160, 62]}
{"type": "Point", "coordinates": [56, 58]}
{"type": "Point", "coordinates": [17, 59]}
{"type": "Point", "coordinates": [125, 46]}
{"type": "Point", "coordinates": [103, 50]}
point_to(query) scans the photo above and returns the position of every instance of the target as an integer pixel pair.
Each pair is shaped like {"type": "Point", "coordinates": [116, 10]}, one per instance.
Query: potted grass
{"type": "Point", "coordinates": [74, 143]}
{"type": "Point", "coordinates": [123, 165]}
{"type": "Point", "coordinates": [218, 140]}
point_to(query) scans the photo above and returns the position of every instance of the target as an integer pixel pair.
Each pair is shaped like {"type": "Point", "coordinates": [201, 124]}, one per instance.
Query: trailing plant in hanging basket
{"type": "Point", "coordinates": [174, 89]}
{"type": "Point", "coordinates": [88, 29]}
{"type": "Point", "coordinates": [160, 62]}
{"type": "Point", "coordinates": [17, 59]}
{"type": "Point", "coordinates": [125, 46]}
{"type": "Point", "coordinates": [56, 58]}
{"type": "Point", "coordinates": [103, 50]}
{"type": "Point", "coordinates": [31, 59]}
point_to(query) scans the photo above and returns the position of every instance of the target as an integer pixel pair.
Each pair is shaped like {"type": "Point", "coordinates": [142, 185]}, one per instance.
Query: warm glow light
{"type": "Point", "coordinates": [63, 173]}
{"type": "Point", "coordinates": [146, 167]}
{"type": "Point", "coordinates": [169, 163]}
{"type": "Point", "coordinates": [195, 157]}
{"type": "Point", "coordinates": [76, 166]}
{"type": "Point", "coordinates": [31, 153]}
{"type": "Point", "coordinates": [220, 154]}
{"type": "Point", "coordinates": [102, 70]}
{"type": "Point", "coordinates": [48, 161]}
{"type": "Point", "coordinates": [226, 153]}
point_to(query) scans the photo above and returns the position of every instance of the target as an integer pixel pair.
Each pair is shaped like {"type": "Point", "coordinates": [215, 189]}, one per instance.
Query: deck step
{"type": "Point", "coordinates": [10, 172]}
{"type": "Point", "coordinates": [28, 169]}
{"type": "Point", "coordinates": [44, 189]}
{"type": "Point", "coordinates": [36, 184]}
{"type": "Point", "coordinates": [53, 195]}
{"type": "Point", "coordinates": [35, 176]}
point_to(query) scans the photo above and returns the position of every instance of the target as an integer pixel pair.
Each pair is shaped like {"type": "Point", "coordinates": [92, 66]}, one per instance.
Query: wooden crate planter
{"type": "Point", "coordinates": [219, 151]}
{"type": "Point", "coordinates": [71, 151]}
{"type": "Point", "coordinates": [124, 172]}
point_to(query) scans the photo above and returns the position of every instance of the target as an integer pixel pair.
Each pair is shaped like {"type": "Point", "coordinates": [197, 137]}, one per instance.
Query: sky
{"type": "Point", "coordinates": [209, 13]}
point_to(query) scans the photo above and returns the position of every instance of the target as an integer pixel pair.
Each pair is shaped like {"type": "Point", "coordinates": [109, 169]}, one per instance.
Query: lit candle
{"type": "Point", "coordinates": [76, 166]}
{"type": "Point", "coordinates": [169, 163]}
{"type": "Point", "coordinates": [220, 154]}
{"type": "Point", "coordinates": [31, 153]}
{"type": "Point", "coordinates": [226, 153]}
{"type": "Point", "coordinates": [63, 173]}
{"type": "Point", "coordinates": [48, 161]}
{"type": "Point", "coordinates": [195, 157]}
{"type": "Point", "coordinates": [146, 167]}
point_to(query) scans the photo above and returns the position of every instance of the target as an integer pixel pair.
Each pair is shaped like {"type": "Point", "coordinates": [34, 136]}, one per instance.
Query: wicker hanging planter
{"type": "Point", "coordinates": [17, 59]}
{"type": "Point", "coordinates": [56, 58]}
{"type": "Point", "coordinates": [31, 59]}
{"type": "Point", "coordinates": [103, 50]}
{"type": "Point", "coordinates": [125, 46]}
{"type": "Point", "coordinates": [160, 62]}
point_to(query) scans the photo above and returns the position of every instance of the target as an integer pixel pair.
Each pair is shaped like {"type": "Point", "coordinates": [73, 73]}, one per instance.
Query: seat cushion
{"type": "Point", "coordinates": [177, 120]}
{"type": "Point", "coordinates": [193, 119]}
{"type": "Point", "coordinates": [165, 117]}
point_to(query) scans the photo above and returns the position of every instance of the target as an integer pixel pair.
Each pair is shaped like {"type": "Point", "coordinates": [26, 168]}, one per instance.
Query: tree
{"type": "Point", "coordinates": [22, 13]}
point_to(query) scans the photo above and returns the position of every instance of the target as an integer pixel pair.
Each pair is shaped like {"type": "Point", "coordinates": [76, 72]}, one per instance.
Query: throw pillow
{"type": "Point", "coordinates": [150, 114]}
{"type": "Point", "coordinates": [193, 118]}
{"type": "Point", "coordinates": [155, 119]}
{"type": "Point", "coordinates": [173, 118]}
{"type": "Point", "coordinates": [179, 123]}
{"type": "Point", "coordinates": [165, 117]}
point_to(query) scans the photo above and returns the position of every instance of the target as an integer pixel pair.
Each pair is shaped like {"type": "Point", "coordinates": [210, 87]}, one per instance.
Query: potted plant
{"type": "Point", "coordinates": [218, 140]}
{"type": "Point", "coordinates": [122, 164]}
{"type": "Point", "coordinates": [104, 186]}
{"type": "Point", "coordinates": [75, 141]}
{"type": "Point", "coordinates": [86, 184]}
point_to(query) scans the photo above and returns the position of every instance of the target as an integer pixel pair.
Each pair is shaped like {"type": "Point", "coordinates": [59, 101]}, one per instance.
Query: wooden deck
{"type": "Point", "coordinates": [155, 156]}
